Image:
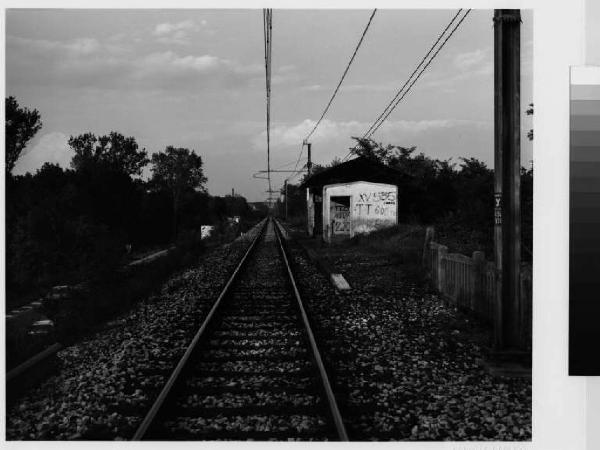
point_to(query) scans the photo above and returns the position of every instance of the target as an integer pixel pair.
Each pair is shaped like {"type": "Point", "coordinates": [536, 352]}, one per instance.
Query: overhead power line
{"type": "Point", "coordinates": [370, 133]}
{"type": "Point", "coordinates": [288, 164]}
{"type": "Point", "coordinates": [343, 76]}
{"type": "Point", "coordinates": [268, 30]}
{"type": "Point", "coordinates": [439, 38]}
{"type": "Point", "coordinates": [421, 68]}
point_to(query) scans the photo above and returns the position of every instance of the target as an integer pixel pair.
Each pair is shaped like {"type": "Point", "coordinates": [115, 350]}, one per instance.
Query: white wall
{"type": "Point", "coordinates": [372, 206]}
{"type": "Point", "coordinates": [310, 212]}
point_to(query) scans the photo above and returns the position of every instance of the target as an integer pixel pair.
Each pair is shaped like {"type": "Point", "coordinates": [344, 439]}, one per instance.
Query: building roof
{"type": "Point", "coordinates": [357, 169]}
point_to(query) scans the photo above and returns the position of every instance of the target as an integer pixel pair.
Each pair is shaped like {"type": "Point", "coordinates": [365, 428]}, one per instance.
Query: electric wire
{"type": "Point", "coordinates": [419, 75]}
{"type": "Point", "coordinates": [343, 76]}
{"type": "Point", "coordinates": [405, 90]}
{"type": "Point", "coordinates": [415, 71]}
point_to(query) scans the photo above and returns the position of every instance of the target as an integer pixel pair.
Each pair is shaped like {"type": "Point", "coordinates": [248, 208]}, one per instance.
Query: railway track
{"type": "Point", "coordinates": [253, 370]}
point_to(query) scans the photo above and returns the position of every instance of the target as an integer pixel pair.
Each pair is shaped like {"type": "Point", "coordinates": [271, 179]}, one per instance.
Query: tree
{"type": "Point", "coordinates": [177, 170]}
{"type": "Point", "coordinates": [296, 200]}
{"type": "Point", "coordinates": [368, 148]}
{"type": "Point", "coordinates": [21, 125]}
{"type": "Point", "coordinates": [114, 151]}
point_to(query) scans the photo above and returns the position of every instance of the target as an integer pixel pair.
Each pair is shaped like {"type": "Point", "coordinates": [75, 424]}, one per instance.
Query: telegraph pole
{"type": "Point", "coordinates": [309, 160]}
{"type": "Point", "coordinates": [507, 177]}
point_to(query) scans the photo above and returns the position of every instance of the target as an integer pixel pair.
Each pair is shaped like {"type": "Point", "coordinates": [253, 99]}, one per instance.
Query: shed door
{"type": "Point", "coordinates": [339, 213]}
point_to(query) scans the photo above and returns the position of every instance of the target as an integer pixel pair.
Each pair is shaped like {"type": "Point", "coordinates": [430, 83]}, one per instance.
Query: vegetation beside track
{"type": "Point", "coordinates": [406, 366]}
{"type": "Point", "coordinates": [106, 382]}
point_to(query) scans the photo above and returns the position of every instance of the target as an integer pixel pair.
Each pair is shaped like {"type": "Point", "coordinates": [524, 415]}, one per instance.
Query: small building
{"type": "Point", "coordinates": [358, 196]}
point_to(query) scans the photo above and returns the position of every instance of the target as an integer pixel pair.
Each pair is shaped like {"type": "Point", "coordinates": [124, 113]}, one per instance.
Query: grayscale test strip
{"type": "Point", "coordinates": [584, 284]}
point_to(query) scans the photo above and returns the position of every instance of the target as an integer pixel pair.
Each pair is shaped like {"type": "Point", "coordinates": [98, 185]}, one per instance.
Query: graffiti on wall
{"type": "Point", "coordinates": [374, 209]}
{"type": "Point", "coordinates": [375, 204]}
{"type": "Point", "coordinates": [340, 218]}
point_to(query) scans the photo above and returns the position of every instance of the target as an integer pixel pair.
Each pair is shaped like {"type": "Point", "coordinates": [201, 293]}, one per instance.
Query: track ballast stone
{"type": "Point", "coordinates": [108, 381]}
{"type": "Point", "coordinates": [253, 376]}
{"type": "Point", "coordinates": [407, 367]}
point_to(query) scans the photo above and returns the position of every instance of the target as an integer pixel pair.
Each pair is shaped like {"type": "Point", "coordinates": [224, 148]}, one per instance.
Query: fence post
{"type": "Point", "coordinates": [441, 256]}
{"type": "Point", "coordinates": [477, 295]}
{"type": "Point", "coordinates": [429, 233]}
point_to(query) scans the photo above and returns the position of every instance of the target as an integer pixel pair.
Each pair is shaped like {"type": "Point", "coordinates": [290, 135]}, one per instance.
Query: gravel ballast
{"type": "Point", "coordinates": [405, 365]}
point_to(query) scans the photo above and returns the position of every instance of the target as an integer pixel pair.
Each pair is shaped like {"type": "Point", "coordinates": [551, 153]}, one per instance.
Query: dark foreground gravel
{"type": "Point", "coordinates": [107, 382]}
{"type": "Point", "coordinates": [406, 366]}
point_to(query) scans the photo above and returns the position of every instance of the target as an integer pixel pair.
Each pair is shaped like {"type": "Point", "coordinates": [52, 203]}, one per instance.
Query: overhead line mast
{"type": "Point", "coordinates": [268, 30]}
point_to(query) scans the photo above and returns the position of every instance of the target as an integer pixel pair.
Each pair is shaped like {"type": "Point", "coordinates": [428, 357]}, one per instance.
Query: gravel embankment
{"type": "Point", "coordinates": [405, 366]}
{"type": "Point", "coordinates": [107, 382]}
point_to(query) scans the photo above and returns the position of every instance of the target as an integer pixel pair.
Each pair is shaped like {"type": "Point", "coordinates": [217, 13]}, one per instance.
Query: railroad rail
{"type": "Point", "coordinates": [253, 370]}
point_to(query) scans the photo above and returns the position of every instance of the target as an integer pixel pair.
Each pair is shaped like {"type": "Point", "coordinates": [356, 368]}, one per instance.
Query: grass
{"type": "Point", "coordinates": [402, 244]}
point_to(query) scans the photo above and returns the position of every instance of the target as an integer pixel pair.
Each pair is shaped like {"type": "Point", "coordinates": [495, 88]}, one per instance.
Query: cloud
{"type": "Point", "coordinates": [439, 138]}
{"type": "Point", "coordinates": [477, 63]}
{"type": "Point", "coordinates": [472, 59]}
{"type": "Point", "coordinates": [71, 48]}
{"type": "Point", "coordinates": [51, 147]}
{"type": "Point", "coordinates": [312, 88]}
{"type": "Point", "coordinates": [465, 66]}
{"type": "Point", "coordinates": [163, 29]}
{"type": "Point", "coordinates": [177, 33]}
{"type": "Point", "coordinates": [171, 62]}
{"type": "Point", "coordinates": [176, 72]}
{"type": "Point", "coordinates": [335, 132]}
{"type": "Point", "coordinates": [87, 62]}
{"type": "Point", "coordinates": [381, 87]}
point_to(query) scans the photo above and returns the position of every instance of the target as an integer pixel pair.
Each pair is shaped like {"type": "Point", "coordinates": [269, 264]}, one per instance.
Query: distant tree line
{"type": "Point", "coordinates": [455, 197]}
{"type": "Point", "coordinates": [66, 225]}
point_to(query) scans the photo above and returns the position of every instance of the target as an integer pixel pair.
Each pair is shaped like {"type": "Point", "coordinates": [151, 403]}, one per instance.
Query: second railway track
{"type": "Point", "coordinates": [253, 370]}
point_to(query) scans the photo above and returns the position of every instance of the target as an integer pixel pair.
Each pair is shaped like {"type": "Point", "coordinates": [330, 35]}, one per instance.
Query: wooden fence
{"type": "Point", "coordinates": [469, 284]}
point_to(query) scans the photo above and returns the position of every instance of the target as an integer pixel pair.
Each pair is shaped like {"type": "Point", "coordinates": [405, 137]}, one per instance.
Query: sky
{"type": "Point", "coordinates": [196, 79]}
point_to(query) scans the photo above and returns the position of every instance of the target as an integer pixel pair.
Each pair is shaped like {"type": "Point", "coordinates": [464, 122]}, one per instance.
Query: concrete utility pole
{"type": "Point", "coordinates": [309, 160]}
{"type": "Point", "coordinates": [507, 176]}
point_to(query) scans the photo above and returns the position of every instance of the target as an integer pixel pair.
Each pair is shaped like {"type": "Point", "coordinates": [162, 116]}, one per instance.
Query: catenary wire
{"type": "Point", "coordinates": [337, 88]}
{"type": "Point", "coordinates": [397, 98]}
